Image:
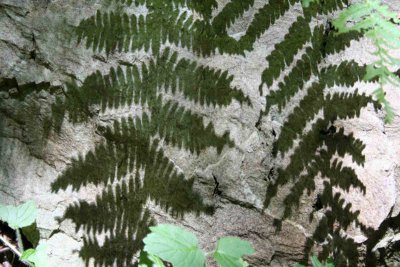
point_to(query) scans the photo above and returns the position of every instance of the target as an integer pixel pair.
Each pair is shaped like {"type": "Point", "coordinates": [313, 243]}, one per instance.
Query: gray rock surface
{"type": "Point", "coordinates": [32, 50]}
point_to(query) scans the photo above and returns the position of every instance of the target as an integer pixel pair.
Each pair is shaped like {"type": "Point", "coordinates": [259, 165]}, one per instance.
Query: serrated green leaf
{"type": "Point", "coordinates": [230, 250]}
{"type": "Point", "coordinates": [380, 95]}
{"type": "Point", "coordinates": [20, 216]}
{"type": "Point", "coordinates": [372, 72]}
{"type": "Point", "coordinates": [315, 262]}
{"type": "Point", "coordinates": [379, 24]}
{"type": "Point", "coordinates": [175, 245]}
{"type": "Point", "coordinates": [37, 256]}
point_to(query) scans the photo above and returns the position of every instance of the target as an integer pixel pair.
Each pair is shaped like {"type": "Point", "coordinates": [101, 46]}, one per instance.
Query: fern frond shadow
{"type": "Point", "coordinates": [23, 90]}
{"type": "Point", "coordinates": [142, 84]}
{"type": "Point", "coordinates": [122, 203]}
{"type": "Point", "coordinates": [317, 147]}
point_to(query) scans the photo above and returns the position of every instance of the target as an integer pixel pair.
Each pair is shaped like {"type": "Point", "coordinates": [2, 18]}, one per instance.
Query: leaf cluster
{"type": "Point", "coordinates": [180, 247]}
{"type": "Point", "coordinates": [24, 216]}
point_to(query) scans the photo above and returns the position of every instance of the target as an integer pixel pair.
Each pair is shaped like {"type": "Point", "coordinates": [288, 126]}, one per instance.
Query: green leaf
{"type": "Point", "coordinates": [379, 24]}
{"type": "Point", "coordinates": [315, 262]}
{"type": "Point", "coordinates": [299, 265]}
{"type": "Point", "coordinates": [372, 72]}
{"type": "Point", "coordinates": [32, 234]}
{"type": "Point", "coordinates": [37, 256]}
{"type": "Point", "coordinates": [20, 216]}
{"type": "Point", "coordinates": [230, 250]}
{"type": "Point", "coordinates": [329, 263]}
{"type": "Point", "coordinates": [175, 245]}
{"type": "Point", "coordinates": [27, 254]}
{"type": "Point", "coordinates": [245, 264]}
{"type": "Point", "coordinates": [380, 95]}
{"type": "Point", "coordinates": [148, 260]}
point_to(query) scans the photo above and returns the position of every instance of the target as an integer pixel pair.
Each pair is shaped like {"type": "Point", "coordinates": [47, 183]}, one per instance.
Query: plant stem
{"type": "Point", "coordinates": [13, 248]}
{"type": "Point", "coordinates": [5, 249]}
{"type": "Point", "coordinates": [19, 240]}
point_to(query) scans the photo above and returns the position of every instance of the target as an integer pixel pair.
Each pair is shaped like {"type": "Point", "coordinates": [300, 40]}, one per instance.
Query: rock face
{"type": "Point", "coordinates": [225, 117]}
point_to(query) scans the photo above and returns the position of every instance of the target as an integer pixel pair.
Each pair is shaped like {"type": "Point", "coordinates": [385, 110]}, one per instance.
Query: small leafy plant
{"type": "Point", "coordinates": [378, 23]}
{"type": "Point", "coordinates": [179, 247]}
{"type": "Point", "coordinates": [22, 217]}
{"type": "Point", "coordinates": [316, 263]}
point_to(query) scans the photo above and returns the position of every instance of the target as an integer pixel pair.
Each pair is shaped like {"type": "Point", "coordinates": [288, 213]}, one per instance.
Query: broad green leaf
{"type": "Point", "coordinates": [315, 262]}
{"type": "Point", "coordinates": [230, 250]}
{"type": "Point", "coordinates": [37, 256]}
{"type": "Point", "coordinates": [175, 245]}
{"type": "Point", "coordinates": [20, 216]}
{"type": "Point", "coordinates": [148, 260]}
{"type": "Point", "coordinates": [299, 265]}
{"type": "Point", "coordinates": [157, 262]}
{"type": "Point", "coordinates": [27, 254]}
{"type": "Point", "coordinates": [4, 213]}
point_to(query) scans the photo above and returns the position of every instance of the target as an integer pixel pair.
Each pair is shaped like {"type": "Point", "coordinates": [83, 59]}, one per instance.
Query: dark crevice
{"type": "Point", "coordinates": [271, 173]}
{"type": "Point", "coordinates": [273, 133]}
{"type": "Point", "coordinates": [243, 204]}
{"type": "Point", "coordinates": [32, 53]}
{"type": "Point", "coordinates": [258, 123]}
{"type": "Point", "coordinates": [54, 232]}
{"type": "Point", "coordinates": [217, 191]}
{"type": "Point", "coordinates": [318, 205]}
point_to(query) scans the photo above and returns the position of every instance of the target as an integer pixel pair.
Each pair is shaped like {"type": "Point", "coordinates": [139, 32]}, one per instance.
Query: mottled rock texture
{"type": "Point", "coordinates": [222, 127]}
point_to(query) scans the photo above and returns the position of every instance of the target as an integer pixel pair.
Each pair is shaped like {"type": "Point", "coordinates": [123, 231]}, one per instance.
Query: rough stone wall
{"type": "Point", "coordinates": [33, 49]}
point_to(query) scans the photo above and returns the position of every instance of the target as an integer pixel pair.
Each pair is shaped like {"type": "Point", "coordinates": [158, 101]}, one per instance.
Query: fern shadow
{"type": "Point", "coordinates": [313, 146]}
{"type": "Point", "coordinates": [131, 165]}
